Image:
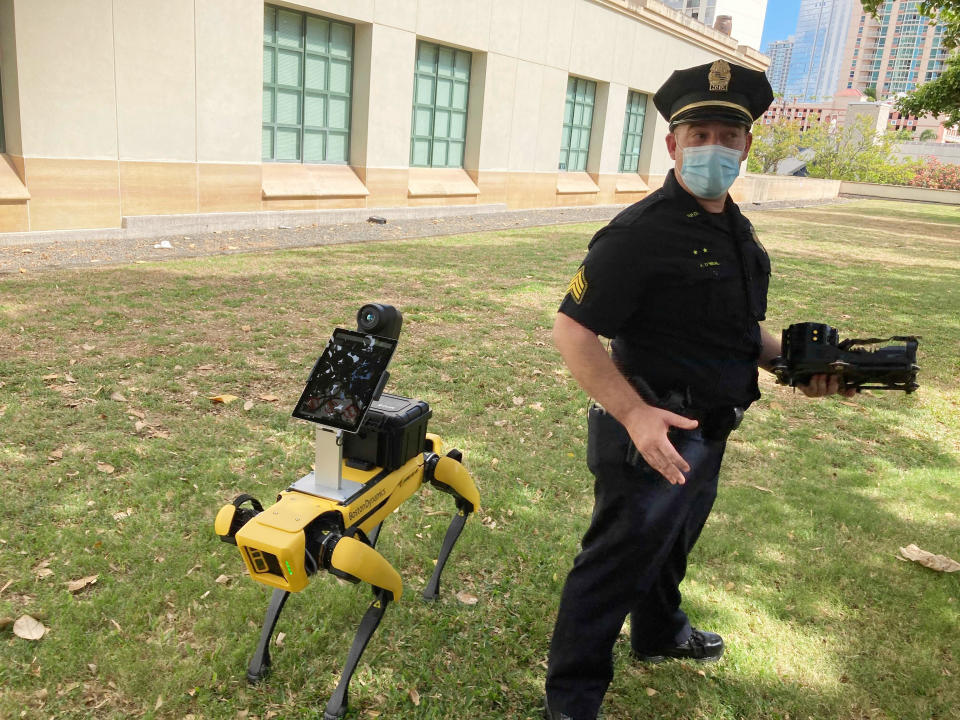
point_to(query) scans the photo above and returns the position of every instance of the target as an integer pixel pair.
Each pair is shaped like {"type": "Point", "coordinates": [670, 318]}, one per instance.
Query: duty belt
{"type": "Point", "coordinates": [715, 423]}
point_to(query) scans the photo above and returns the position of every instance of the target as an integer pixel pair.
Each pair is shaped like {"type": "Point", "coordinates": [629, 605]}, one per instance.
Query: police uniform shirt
{"type": "Point", "coordinates": [681, 292]}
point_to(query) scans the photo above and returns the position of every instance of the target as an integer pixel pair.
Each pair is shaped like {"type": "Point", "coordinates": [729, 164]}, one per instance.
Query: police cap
{"type": "Point", "coordinates": [715, 91]}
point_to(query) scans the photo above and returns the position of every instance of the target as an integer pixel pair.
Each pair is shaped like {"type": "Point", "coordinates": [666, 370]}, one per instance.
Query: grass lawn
{"type": "Point", "coordinates": [114, 462]}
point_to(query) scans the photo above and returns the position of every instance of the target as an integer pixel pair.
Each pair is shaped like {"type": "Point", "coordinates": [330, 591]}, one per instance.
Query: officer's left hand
{"type": "Point", "coordinates": [823, 385]}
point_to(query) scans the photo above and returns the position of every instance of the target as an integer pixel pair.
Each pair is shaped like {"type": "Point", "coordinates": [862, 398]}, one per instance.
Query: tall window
{"type": "Point", "coordinates": [632, 132]}
{"type": "Point", "coordinates": [307, 79]}
{"type": "Point", "coordinates": [441, 87]}
{"type": "Point", "coordinates": [577, 120]}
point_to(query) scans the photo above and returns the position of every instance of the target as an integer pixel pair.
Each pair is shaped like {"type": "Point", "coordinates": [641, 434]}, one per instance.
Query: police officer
{"type": "Point", "coordinates": [678, 281]}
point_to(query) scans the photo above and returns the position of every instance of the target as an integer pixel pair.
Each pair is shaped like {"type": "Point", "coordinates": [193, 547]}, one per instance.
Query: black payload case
{"type": "Point", "coordinates": [393, 431]}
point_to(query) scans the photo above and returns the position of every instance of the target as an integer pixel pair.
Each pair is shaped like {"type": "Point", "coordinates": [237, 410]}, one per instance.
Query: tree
{"type": "Point", "coordinates": [871, 93]}
{"type": "Point", "coordinates": [856, 152]}
{"type": "Point", "coordinates": [940, 96]}
{"type": "Point", "coordinates": [928, 134]}
{"type": "Point", "coordinates": [773, 143]}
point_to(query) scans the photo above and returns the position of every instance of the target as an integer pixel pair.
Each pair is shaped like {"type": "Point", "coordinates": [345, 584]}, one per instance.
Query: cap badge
{"type": "Point", "coordinates": [719, 76]}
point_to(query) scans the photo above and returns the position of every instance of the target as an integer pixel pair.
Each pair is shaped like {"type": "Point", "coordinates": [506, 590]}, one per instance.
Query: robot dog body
{"type": "Point", "coordinates": [315, 525]}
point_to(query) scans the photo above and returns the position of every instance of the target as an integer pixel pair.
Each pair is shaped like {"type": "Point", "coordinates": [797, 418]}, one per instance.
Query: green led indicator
{"type": "Point", "coordinates": [289, 569]}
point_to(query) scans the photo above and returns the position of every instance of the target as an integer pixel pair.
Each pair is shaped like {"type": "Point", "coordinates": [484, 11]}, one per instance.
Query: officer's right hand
{"type": "Point", "coordinates": [648, 427]}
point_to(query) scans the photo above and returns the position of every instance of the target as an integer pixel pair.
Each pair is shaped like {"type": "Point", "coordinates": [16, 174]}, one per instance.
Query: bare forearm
{"type": "Point", "coordinates": [770, 349]}
{"type": "Point", "coordinates": [596, 372]}
{"type": "Point", "coordinates": [594, 369]}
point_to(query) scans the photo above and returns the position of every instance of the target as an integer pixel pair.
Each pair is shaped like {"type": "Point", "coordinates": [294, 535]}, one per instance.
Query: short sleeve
{"type": "Point", "coordinates": [606, 288]}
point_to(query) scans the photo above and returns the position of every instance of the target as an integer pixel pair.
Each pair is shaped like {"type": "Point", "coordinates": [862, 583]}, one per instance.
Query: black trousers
{"type": "Point", "coordinates": [633, 559]}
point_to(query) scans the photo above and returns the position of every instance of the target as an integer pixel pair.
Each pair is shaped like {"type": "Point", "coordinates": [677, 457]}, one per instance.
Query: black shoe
{"type": "Point", "coordinates": [702, 646]}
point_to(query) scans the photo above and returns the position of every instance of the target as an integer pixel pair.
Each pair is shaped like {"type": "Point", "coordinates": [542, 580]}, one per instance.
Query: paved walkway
{"type": "Point", "coordinates": [57, 254]}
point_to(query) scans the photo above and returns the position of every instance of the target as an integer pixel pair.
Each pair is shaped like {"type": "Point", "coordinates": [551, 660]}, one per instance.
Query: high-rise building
{"type": "Point", "coordinates": [780, 53]}
{"type": "Point", "coordinates": [818, 49]}
{"type": "Point", "coordinates": [894, 52]}
{"type": "Point", "coordinates": [747, 16]}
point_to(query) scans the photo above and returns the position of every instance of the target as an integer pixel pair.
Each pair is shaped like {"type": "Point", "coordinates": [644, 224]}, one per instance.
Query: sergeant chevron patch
{"type": "Point", "coordinates": [578, 286]}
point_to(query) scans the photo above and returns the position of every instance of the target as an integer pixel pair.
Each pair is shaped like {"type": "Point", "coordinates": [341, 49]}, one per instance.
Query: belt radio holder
{"type": "Point", "coordinates": [372, 452]}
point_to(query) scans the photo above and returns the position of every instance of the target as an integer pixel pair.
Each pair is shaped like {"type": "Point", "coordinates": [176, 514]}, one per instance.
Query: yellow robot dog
{"type": "Point", "coordinates": [372, 453]}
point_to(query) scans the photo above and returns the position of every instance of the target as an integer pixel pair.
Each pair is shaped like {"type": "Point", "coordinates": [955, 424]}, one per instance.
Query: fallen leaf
{"type": "Point", "coordinates": [466, 598]}
{"type": "Point", "coordinates": [280, 638]}
{"type": "Point", "coordinates": [224, 399]}
{"type": "Point", "coordinates": [414, 696]}
{"type": "Point", "coordinates": [123, 514]}
{"type": "Point", "coordinates": [136, 414]}
{"type": "Point", "coordinates": [44, 572]}
{"type": "Point", "coordinates": [223, 579]}
{"type": "Point", "coordinates": [651, 692]}
{"type": "Point", "coordinates": [28, 628]}
{"type": "Point", "coordinates": [55, 455]}
{"type": "Point", "coordinates": [761, 488]}
{"type": "Point", "coordinates": [248, 405]}
{"type": "Point", "coordinates": [245, 328]}
{"type": "Point", "coordinates": [48, 378]}
{"type": "Point", "coordinates": [268, 398]}
{"type": "Point", "coordinates": [105, 467]}
{"type": "Point", "coordinates": [940, 563]}
{"type": "Point", "coordinates": [76, 586]}
{"type": "Point", "coordinates": [518, 400]}
{"type": "Point", "coordinates": [98, 322]}
{"type": "Point", "coordinates": [118, 397]}
{"type": "Point", "coordinates": [69, 378]}
{"type": "Point", "coordinates": [158, 703]}
{"type": "Point", "coordinates": [88, 347]}
{"type": "Point", "coordinates": [536, 406]}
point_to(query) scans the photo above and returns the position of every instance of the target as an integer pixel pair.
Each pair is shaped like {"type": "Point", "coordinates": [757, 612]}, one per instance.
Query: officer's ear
{"type": "Point", "coordinates": [746, 148]}
{"type": "Point", "coordinates": [672, 144]}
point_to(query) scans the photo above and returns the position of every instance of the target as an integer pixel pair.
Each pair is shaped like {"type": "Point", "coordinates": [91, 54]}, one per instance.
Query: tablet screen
{"type": "Point", "coordinates": [344, 379]}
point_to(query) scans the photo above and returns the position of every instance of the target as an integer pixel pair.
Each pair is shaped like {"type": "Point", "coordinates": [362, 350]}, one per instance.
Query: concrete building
{"type": "Point", "coordinates": [894, 52]}
{"type": "Point", "coordinates": [780, 53]}
{"type": "Point", "coordinates": [835, 110]}
{"type": "Point", "coordinates": [818, 47]}
{"type": "Point", "coordinates": [120, 109]}
{"type": "Point", "coordinates": [747, 16]}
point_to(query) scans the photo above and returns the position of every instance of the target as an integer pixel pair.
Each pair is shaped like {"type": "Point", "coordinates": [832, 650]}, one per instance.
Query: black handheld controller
{"type": "Point", "coordinates": [815, 348]}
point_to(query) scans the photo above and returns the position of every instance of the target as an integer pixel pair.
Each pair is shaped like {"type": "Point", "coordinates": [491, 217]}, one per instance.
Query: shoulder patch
{"type": "Point", "coordinates": [578, 286]}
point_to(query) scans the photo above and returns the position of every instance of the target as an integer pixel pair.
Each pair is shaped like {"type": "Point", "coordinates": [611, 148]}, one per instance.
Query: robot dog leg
{"type": "Point", "coordinates": [449, 475]}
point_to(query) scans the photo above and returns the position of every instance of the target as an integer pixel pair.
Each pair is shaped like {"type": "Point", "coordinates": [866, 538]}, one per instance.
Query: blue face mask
{"type": "Point", "coordinates": [708, 171]}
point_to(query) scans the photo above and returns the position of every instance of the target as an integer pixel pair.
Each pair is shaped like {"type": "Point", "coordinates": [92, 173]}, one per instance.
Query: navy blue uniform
{"type": "Point", "coordinates": [680, 292]}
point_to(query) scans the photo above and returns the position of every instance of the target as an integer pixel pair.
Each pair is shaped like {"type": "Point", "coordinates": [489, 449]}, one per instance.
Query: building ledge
{"type": "Point", "coordinates": [631, 182]}
{"type": "Point", "coordinates": [572, 183]}
{"type": "Point", "coordinates": [440, 182]}
{"type": "Point", "coordinates": [296, 180]}
{"type": "Point", "coordinates": [12, 188]}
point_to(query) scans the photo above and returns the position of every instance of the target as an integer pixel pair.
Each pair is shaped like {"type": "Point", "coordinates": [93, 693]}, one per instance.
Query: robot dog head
{"type": "Point", "coordinates": [381, 320]}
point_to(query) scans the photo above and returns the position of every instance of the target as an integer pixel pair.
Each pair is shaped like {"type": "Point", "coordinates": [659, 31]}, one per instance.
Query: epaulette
{"type": "Point", "coordinates": [628, 216]}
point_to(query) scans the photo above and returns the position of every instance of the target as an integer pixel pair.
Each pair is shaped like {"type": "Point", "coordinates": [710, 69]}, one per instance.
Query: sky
{"type": "Point", "coordinates": [780, 22]}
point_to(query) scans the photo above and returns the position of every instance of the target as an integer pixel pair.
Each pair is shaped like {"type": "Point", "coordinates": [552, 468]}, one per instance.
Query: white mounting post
{"type": "Point", "coordinates": [327, 480]}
